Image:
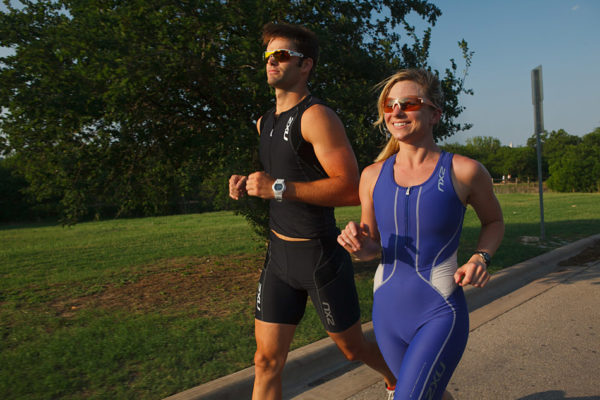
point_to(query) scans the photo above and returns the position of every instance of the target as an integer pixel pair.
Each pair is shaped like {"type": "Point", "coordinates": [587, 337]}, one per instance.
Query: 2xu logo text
{"type": "Point", "coordinates": [435, 381]}
{"type": "Point", "coordinates": [328, 315]}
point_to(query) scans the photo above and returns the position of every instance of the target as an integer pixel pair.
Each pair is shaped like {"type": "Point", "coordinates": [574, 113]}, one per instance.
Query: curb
{"type": "Point", "coordinates": [313, 362]}
{"type": "Point", "coordinates": [511, 278]}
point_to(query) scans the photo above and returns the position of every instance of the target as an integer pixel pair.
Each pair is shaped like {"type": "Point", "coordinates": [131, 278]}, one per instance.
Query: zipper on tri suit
{"type": "Point", "coordinates": [406, 207]}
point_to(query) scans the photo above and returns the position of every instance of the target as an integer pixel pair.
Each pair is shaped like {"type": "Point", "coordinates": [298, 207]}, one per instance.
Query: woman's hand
{"type": "Point", "coordinates": [474, 272]}
{"type": "Point", "coordinates": [357, 241]}
{"type": "Point", "coordinates": [351, 237]}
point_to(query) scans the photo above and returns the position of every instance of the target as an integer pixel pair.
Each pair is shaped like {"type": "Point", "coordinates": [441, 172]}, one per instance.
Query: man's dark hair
{"type": "Point", "coordinates": [304, 39]}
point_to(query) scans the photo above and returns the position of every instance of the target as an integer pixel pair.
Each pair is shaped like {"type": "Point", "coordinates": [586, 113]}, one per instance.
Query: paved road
{"type": "Point", "coordinates": [540, 342]}
{"type": "Point", "coordinates": [534, 336]}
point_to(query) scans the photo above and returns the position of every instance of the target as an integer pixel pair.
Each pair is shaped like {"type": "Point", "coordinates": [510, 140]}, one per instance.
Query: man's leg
{"type": "Point", "coordinates": [355, 346]}
{"type": "Point", "coordinates": [447, 396]}
{"type": "Point", "coordinates": [272, 347]}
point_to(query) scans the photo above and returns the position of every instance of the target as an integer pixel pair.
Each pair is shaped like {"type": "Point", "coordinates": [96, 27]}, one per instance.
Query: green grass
{"type": "Point", "coordinates": [125, 352]}
{"type": "Point", "coordinates": [101, 250]}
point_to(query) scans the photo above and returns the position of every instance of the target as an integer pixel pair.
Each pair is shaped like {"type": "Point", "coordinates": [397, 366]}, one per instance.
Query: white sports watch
{"type": "Point", "coordinates": [278, 189]}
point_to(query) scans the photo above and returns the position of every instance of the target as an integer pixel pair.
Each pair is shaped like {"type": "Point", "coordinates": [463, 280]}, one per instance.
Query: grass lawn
{"type": "Point", "coordinates": [144, 308]}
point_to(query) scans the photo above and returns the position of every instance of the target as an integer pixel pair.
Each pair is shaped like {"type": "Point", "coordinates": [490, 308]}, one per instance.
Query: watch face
{"type": "Point", "coordinates": [486, 257]}
{"type": "Point", "coordinates": [278, 186]}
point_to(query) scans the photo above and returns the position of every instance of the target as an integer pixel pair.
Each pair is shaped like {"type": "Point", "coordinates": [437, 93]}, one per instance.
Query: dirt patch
{"type": "Point", "coordinates": [588, 255]}
{"type": "Point", "coordinates": [212, 286]}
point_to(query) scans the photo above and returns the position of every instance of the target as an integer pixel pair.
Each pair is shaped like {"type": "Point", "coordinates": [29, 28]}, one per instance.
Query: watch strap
{"type": "Point", "coordinates": [487, 259]}
{"type": "Point", "coordinates": [278, 194]}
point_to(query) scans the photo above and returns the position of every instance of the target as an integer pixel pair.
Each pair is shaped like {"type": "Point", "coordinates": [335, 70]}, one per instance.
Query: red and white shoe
{"type": "Point", "coordinates": [390, 392]}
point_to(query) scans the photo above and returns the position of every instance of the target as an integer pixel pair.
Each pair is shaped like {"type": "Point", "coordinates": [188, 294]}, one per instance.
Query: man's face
{"type": "Point", "coordinates": [283, 74]}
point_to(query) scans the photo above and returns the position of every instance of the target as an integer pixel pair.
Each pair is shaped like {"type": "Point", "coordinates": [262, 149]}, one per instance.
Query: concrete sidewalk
{"type": "Point", "coordinates": [540, 342]}
{"type": "Point", "coordinates": [533, 336]}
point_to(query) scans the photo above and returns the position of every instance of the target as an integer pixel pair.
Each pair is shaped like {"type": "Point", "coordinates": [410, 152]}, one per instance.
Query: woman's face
{"type": "Point", "coordinates": [406, 125]}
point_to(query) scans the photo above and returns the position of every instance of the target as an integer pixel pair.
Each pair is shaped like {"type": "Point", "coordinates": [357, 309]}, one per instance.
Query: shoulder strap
{"type": "Point", "coordinates": [303, 149]}
{"type": "Point", "coordinates": [296, 138]}
{"type": "Point", "coordinates": [263, 120]}
{"type": "Point", "coordinates": [447, 159]}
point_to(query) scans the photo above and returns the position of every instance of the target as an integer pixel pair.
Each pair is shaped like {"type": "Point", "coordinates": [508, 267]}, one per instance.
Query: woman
{"type": "Point", "coordinates": [413, 202]}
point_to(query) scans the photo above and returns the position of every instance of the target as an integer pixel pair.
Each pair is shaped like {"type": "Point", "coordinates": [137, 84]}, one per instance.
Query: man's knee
{"type": "Point", "coordinates": [352, 354]}
{"type": "Point", "coordinates": [353, 351]}
{"type": "Point", "coordinates": [268, 363]}
{"type": "Point", "coordinates": [351, 343]}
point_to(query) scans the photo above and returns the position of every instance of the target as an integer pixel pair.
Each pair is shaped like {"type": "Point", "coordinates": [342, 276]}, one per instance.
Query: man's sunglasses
{"type": "Point", "coordinates": [406, 104]}
{"type": "Point", "coordinates": [281, 55]}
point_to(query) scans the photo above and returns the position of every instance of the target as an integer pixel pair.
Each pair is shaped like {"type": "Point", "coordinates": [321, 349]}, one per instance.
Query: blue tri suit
{"type": "Point", "coordinates": [420, 315]}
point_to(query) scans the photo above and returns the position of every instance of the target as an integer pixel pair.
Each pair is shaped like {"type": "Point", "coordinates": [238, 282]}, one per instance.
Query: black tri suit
{"type": "Point", "coordinates": [293, 270]}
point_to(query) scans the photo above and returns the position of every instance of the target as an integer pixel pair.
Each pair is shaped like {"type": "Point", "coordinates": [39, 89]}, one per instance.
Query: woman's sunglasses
{"type": "Point", "coordinates": [281, 55]}
{"type": "Point", "coordinates": [406, 104]}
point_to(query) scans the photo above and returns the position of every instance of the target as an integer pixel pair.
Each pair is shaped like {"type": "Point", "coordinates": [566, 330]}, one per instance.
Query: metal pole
{"type": "Point", "coordinates": [538, 97]}
{"type": "Point", "coordinates": [540, 187]}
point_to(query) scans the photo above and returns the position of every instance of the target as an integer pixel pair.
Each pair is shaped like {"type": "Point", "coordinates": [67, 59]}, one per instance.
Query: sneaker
{"type": "Point", "coordinates": [390, 392]}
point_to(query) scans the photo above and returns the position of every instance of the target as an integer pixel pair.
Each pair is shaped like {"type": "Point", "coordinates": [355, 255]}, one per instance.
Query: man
{"type": "Point", "coordinates": [309, 168]}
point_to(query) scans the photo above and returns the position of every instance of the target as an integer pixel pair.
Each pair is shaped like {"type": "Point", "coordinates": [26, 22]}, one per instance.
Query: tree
{"type": "Point", "coordinates": [483, 144]}
{"type": "Point", "coordinates": [13, 205]}
{"type": "Point", "coordinates": [142, 108]}
{"type": "Point", "coordinates": [553, 145]}
{"type": "Point", "coordinates": [519, 162]}
{"type": "Point", "coordinates": [499, 160]}
{"type": "Point", "coordinates": [577, 167]}
{"type": "Point", "coordinates": [482, 149]}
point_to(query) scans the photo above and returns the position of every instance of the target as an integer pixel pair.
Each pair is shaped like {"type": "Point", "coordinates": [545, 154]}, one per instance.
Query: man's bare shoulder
{"type": "Point", "coordinates": [258, 125]}
{"type": "Point", "coordinates": [319, 114]}
{"type": "Point", "coordinates": [320, 109]}
{"type": "Point", "coordinates": [321, 124]}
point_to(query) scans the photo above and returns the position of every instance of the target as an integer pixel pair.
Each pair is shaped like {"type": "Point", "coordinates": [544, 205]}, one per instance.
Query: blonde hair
{"type": "Point", "coordinates": [424, 78]}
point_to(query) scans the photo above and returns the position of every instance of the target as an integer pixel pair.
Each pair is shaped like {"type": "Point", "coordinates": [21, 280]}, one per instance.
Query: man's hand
{"type": "Point", "coordinates": [260, 184]}
{"type": "Point", "coordinates": [237, 186]}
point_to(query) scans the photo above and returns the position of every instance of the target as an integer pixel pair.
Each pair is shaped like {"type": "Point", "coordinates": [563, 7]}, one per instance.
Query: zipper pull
{"type": "Point", "coordinates": [408, 190]}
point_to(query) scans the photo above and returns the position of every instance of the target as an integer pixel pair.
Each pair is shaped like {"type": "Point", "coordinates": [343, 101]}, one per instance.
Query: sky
{"type": "Point", "coordinates": [509, 38]}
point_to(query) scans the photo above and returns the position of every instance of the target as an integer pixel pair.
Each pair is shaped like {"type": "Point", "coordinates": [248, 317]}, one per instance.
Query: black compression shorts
{"type": "Point", "coordinates": [318, 267]}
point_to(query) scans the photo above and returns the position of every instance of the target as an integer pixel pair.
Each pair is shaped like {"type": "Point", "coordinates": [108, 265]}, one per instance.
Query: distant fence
{"type": "Point", "coordinates": [518, 187]}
